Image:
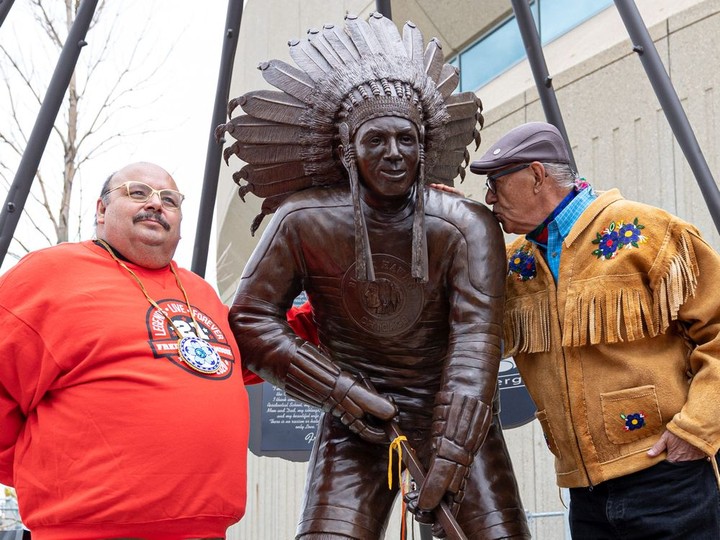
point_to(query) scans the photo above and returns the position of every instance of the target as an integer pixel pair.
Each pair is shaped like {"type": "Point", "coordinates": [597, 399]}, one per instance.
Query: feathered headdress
{"type": "Point", "coordinates": [349, 75]}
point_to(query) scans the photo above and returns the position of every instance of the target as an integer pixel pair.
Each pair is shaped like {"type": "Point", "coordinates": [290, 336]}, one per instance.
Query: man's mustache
{"type": "Point", "coordinates": [154, 216]}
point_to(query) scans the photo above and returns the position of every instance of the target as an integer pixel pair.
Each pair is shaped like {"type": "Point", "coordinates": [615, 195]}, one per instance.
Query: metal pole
{"type": "Point", "coordinates": [5, 6]}
{"type": "Point", "coordinates": [20, 188]}
{"type": "Point", "coordinates": [383, 6]}
{"type": "Point", "coordinates": [214, 149]}
{"type": "Point", "coordinates": [543, 81]}
{"type": "Point", "coordinates": [670, 103]}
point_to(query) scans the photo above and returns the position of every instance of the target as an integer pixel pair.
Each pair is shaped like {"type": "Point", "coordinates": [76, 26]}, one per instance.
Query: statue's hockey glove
{"type": "Point", "coordinates": [460, 424]}
{"type": "Point", "coordinates": [314, 379]}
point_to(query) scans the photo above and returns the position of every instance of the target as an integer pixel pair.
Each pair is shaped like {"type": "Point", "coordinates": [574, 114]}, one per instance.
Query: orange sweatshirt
{"type": "Point", "coordinates": [105, 431]}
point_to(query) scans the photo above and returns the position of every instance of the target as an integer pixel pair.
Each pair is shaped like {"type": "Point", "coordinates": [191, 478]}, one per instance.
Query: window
{"type": "Point", "coordinates": [503, 47]}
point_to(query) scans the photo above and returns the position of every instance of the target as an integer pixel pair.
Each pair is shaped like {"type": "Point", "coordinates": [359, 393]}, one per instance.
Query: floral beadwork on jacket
{"type": "Point", "coordinates": [633, 421]}
{"type": "Point", "coordinates": [618, 235]}
{"type": "Point", "coordinates": [521, 264]}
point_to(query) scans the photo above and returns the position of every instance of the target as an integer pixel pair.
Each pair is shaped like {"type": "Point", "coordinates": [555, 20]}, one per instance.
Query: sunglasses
{"type": "Point", "coordinates": [141, 192]}
{"type": "Point", "coordinates": [492, 179]}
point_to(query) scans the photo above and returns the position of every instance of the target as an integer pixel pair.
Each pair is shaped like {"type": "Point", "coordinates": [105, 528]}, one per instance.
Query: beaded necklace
{"type": "Point", "coordinates": [197, 353]}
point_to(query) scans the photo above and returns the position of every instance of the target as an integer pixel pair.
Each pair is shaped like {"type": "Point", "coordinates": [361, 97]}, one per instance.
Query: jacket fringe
{"type": "Point", "coordinates": [609, 314]}
{"type": "Point", "coordinates": [605, 312]}
{"type": "Point", "coordinates": [526, 325]}
{"type": "Point", "coordinates": [677, 283]}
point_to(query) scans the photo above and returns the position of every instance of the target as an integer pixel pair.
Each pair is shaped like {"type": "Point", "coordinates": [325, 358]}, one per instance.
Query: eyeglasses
{"type": "Point", "coordinates": [492, 179]}
{"type": "Point", "coordinates": [141, 192]}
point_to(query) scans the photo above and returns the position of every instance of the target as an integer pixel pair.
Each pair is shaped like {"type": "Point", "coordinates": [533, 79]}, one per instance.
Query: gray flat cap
{"type": "Point", "coordinates": [534, 141]}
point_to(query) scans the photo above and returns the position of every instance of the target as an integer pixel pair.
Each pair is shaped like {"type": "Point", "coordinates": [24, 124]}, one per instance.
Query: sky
{"type": "Point", "coordinates": [169, 120]}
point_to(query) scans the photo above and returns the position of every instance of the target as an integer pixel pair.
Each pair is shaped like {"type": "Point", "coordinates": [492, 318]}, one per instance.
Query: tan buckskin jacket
{"type": "Point", "coordinates": [626, 345]}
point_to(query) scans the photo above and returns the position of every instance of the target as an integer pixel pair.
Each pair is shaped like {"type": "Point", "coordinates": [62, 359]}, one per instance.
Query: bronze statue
{"type": "Point", "coordinates": [406, 283]}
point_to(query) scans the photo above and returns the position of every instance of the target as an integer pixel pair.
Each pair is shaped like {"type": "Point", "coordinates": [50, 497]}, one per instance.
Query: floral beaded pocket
{"type": "Point", "coordinates": [631, 414]}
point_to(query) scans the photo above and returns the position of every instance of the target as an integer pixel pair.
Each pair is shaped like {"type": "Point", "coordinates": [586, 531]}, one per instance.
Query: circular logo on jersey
{"type": "Point", "coordinates": [388, 306]}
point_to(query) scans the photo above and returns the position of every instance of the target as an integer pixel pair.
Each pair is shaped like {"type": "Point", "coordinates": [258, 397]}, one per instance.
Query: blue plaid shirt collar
{"type": "Point", "coordinates": [565, 216]}
{"type": "Point", "coordinates": [572, 212]}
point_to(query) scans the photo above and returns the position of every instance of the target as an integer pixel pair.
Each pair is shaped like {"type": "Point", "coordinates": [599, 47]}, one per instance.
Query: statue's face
{"type": "Point", "coordinates": [388, 154]}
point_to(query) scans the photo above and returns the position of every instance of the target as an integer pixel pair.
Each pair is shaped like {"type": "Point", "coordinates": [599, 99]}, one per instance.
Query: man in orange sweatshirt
{"type": "Point", "coordinates": [123, 406]}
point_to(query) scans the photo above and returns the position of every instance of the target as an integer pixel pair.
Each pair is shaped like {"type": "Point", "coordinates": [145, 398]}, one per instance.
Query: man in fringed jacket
{"type": "Point", "coordinates": [613, 317]}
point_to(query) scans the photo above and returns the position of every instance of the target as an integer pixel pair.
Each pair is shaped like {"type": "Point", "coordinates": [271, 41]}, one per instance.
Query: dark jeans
{"type": "Point", "coordinates": [667, 501]}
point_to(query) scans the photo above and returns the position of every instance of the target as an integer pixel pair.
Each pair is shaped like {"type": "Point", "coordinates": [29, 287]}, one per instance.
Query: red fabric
{"type": "Point", "coordinates": [105, 432]}
{"type": "Point", "coordinates": [301, 321]}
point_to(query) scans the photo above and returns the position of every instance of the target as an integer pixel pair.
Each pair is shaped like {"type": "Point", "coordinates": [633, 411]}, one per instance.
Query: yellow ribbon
{"type": "Point", "coordinates": [395, 445]}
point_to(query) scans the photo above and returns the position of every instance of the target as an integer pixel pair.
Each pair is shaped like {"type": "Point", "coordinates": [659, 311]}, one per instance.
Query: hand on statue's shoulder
{"type": "Point", "coordinates": [447, 189]}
